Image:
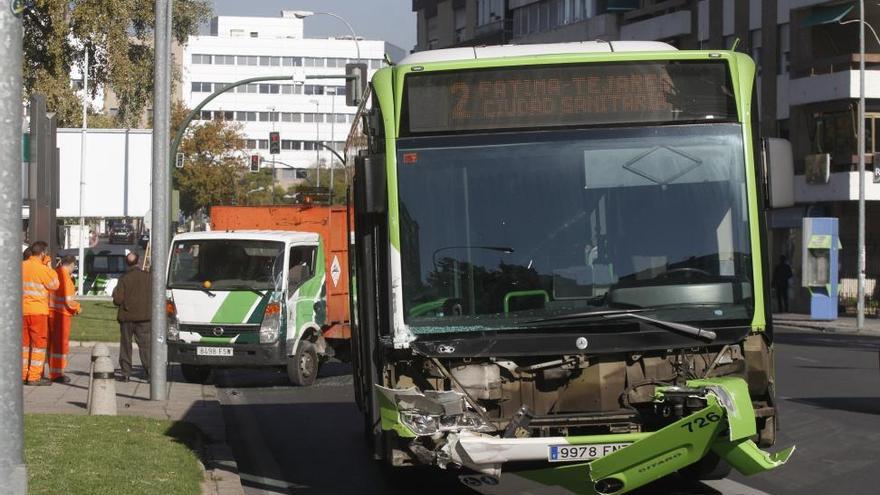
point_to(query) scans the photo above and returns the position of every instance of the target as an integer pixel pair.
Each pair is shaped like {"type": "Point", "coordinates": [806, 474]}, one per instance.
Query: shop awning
{"type": "Point", "coordinates": [828, 14]}
{"type": "Point", "coordinates": [622, 5]}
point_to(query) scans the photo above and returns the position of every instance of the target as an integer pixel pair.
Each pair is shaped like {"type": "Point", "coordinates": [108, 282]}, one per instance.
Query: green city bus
{"type": "Point", "coordinates": [559, 267]}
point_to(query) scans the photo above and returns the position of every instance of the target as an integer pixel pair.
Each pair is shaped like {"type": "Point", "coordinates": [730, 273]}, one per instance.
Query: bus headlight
{"type": "Point", "coordinates": [271, 325]}
{"type": "Point", "coordinates": [428, 424]}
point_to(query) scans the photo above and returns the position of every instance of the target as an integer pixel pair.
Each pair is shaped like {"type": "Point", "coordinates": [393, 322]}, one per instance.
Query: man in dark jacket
{"type": "Point", "coordinates": [133, 295]}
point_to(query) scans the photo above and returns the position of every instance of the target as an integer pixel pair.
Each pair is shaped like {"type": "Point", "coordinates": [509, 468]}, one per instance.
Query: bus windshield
{"type": "Point", "coordinates": [228, 264]}
{"type": "Point", "coordinates": [498, 229]}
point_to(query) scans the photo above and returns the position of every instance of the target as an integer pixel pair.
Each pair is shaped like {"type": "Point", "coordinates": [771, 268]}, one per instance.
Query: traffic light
{"type": "Point", "coordinates": [255, 163]}
{"type": "Point", "coordinates": [274, 143]}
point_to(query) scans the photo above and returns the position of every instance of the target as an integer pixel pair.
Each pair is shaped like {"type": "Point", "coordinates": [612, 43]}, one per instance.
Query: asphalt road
{"type": "Point", "coordinates": [297, 440]}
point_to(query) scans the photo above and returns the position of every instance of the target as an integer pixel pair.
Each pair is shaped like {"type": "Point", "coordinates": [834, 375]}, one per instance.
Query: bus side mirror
{"type": "Point", "coordinates": [370, 170]}
{"type": "Point", "coordinates": [779, 172]}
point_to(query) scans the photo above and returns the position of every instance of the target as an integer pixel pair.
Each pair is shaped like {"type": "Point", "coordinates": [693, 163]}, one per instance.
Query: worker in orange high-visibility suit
{"type": "Point", "coordinates": [63, 306]}
{"type": "Point", "coordinates": [37, 280]}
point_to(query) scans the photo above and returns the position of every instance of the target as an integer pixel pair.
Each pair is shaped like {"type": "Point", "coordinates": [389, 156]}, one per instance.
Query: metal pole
{"type": "Point", "coordinates": [860, 317]}
{"type": "Point", "coordinates": [332, 138]}
{"type": "Point", "coordinates": [13, 474]}
{"type": "Point", "coordinates": [318, 140]}
{"type": "Point", "coordinates": [81, 272]}
{"type": "Point", "coordinates": [160, 229]}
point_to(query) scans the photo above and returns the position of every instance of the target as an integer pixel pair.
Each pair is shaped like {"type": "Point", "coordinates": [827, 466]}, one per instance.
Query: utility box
{"type": "Point", "coordinates": [821, 251]}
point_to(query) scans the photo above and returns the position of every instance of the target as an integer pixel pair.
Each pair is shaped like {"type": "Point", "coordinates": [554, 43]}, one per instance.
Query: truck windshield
{"type": "Point", "coordinates": [498, 230]}
{"type": "Point", "coordinates": [228, 264]}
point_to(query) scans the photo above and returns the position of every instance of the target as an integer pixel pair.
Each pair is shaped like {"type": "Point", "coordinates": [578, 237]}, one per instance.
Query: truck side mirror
{"type": "Point", "coordinates": [371, 173]}
{"type": "Point", "coordinates": [779, 172]}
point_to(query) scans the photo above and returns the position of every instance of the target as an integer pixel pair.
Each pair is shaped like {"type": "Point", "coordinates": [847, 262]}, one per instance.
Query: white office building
{"type": "Point", "coordinates": [304, 110]}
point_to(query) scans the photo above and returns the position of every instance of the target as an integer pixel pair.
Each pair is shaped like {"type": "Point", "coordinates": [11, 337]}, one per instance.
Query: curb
{"type": "Point", "coordinates": [216, 459]}
{"type": "Point", "coordinates": [826, 328]}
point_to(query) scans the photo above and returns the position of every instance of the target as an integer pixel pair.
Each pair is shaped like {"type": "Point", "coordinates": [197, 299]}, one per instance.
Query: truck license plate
{"type": "Point", "coordinates": [213, 351]}
{"type": "Point", "coordinates": [566, 453]}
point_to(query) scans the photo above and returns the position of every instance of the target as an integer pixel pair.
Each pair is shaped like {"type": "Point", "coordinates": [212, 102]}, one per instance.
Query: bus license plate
{"type": "Point", "coordinates": [213, 351]}
{"type": "Point", "coordinates": [566, 453]}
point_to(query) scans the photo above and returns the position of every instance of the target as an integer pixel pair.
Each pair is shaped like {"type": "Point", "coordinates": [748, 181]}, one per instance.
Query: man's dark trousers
{"type": "Point", "coordinates": [140, 330]}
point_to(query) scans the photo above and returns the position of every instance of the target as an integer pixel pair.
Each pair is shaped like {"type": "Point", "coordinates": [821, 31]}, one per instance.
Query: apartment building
{"type": "Point", "coordinates": [808, 81]}
{"type": "Point", "coordinates": [307, 109]}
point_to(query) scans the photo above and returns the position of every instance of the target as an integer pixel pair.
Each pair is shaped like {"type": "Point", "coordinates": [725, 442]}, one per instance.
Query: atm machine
{"type": "Point", "coordinates": [821, 249]}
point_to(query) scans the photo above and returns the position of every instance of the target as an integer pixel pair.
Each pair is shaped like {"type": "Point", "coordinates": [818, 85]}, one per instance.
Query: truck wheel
{"type": "Point", "coordinates": [302, 367]}
{"type": "Point", "coordinates": [194, 373]}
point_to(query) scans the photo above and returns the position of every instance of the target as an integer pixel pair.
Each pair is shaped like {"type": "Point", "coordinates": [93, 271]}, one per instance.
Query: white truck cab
{"type": "Point", "coordinates": [247, 299]}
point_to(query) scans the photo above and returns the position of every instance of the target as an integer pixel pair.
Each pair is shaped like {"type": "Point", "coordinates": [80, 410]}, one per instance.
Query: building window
{"type": "Point", "coordinates": [489, 11]}
{"type": "Point", "coordinates": [340, 118]}
{"type": "Point", "coordinates": [255, 34]}
{"type": "Point", "coordinates": [269, 89]}
{"type": "Point", "coordinates": [291, 117]}
{"type": "Point", "coordinates": [784, 44]}
{"type": "Point", "coordinates": [263, 144]}
{"type": "Point", "coordinates": [201, 59]}
{"type": "Point", "coordinates": [224, 59]}
{"type": "Point", "coordinates": [755, 37]}
{"type": "Point", "coordinates": [835, 133]}
{"type": "Point", "coordinates": [247, 60]}
{"type": "Point", "coordinates": [291, 61]}
{"type": "Point", "coordinates": [228, 115]}
{"type": "Point", "coordinates": [313, 89]}
{"type": "Point", "coordinates": [201, 87]}
{"type": "Point", "coordinates": [251, 144]}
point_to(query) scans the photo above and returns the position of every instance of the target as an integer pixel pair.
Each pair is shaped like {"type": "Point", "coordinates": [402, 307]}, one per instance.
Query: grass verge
{"type": "Point", "coordinates": [110, 455]}
{"type": "Point", "coordinates": [97, 322]}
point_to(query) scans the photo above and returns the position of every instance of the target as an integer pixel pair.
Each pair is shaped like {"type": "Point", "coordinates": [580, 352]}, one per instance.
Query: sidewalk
{"type": "Point", "coordinates": [843, 324]}
{"type": "Point", "coordinates": [193, 403]}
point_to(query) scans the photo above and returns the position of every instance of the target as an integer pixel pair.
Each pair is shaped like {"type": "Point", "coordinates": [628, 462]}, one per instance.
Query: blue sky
{"type": "Point", "coordinates": [389, 20]}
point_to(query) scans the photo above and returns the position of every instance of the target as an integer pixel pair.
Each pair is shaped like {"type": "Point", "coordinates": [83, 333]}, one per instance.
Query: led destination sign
{"type": "Point", "coordinates": [568, 95]}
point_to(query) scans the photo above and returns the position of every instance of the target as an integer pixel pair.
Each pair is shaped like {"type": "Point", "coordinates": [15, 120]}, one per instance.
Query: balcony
{"type": "Point", "coordinates": [671, 25]}
{"type": "Point", "coordinates": [833, 78]}
{"type": "Point", "coordinates": [843, 186]}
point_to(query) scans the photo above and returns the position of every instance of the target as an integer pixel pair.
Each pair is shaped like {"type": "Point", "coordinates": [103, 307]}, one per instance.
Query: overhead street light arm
{"type": "Point", "coordinates": [178, 137]}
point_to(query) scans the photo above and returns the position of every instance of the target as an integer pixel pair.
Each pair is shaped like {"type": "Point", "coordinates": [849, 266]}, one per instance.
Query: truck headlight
{"type": "Point", "coordinates": [271, 325]}
{"type": "Point", "coordinates": [173, 326]}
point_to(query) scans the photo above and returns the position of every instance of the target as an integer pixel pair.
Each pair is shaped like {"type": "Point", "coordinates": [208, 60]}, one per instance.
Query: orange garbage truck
{"type": "Point", "coordinates": [267, 286]}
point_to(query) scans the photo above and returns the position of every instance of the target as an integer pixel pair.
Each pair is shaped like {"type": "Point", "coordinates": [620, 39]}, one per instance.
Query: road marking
{"type": "Point", "coordinates": [806, 359]}
{"type": "Point", "coordinates": [730, 487]}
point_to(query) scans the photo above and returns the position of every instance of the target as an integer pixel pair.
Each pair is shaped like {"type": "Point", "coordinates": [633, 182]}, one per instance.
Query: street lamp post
{"type": "Point", "coordinates": [860, 317]}
{"type": "Point", "coordinates": [302, 14]}
{"type": "Point", "coordinates": [332, 137]}
{"type": "Point", "coordinates": [317, 140]}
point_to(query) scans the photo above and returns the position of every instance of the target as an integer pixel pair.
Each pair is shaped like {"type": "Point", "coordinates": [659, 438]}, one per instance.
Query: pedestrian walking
{"type": "Point", "coordinates": [37, 279]}
{"type": "Point", "coordinates": [781, 275]}
{"type": "Point", "coordinates": [132, 295]}
{"type": "Point", "coordinates": [63, 306]}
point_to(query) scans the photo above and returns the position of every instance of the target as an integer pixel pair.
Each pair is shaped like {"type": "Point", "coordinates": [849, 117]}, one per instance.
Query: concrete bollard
{"type": "Point", "coordinates": [102, 383]}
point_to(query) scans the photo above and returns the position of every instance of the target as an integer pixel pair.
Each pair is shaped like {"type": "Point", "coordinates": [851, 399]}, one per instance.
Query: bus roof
{"type": "Point", "coordinates": [501, 51]}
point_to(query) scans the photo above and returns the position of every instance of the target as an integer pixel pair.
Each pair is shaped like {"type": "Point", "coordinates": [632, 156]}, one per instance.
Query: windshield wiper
{"type": "Point", "coordinates": [249, 289]}
{"type": "Point", "coordinates": [618, 314]}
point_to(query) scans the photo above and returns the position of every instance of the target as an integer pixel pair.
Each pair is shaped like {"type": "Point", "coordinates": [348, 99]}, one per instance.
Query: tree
{"type": "Point", "coordinates": [118, 37]}
{"type": "Point", "coordinates": [215, 170]}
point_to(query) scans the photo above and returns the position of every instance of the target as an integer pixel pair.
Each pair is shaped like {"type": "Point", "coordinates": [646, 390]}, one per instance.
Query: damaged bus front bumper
{"type": "Point", "coordinates": [617, 463]}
